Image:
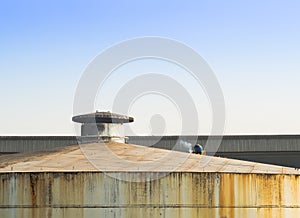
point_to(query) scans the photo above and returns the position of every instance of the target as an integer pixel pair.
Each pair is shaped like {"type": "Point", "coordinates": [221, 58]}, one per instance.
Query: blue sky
{"type": "Point", "coordinates": [252, 46]}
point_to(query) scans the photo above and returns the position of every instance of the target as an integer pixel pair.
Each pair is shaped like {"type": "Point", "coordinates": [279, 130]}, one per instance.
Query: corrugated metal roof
{"type": "Point", "coordinates": [127, 157]}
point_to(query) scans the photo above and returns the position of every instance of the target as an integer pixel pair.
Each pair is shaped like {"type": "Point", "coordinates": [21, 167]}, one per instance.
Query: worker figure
{"type": "Point", "coordinates": [197, 149]}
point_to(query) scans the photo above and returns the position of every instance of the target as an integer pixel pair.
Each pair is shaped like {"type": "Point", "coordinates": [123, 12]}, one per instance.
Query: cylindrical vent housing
{"type": "Point", "coordinates": [104, 125]}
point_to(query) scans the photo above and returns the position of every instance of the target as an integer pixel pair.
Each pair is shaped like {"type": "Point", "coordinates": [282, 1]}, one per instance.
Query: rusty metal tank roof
{"type": "Point", "coordinates": [119, 157]}
{"type": "Point", "coordinates": [102, 117]}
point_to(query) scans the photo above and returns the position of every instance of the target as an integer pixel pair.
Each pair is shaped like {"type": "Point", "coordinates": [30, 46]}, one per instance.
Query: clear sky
{"type": "Point", "coordinates": [252, 46]}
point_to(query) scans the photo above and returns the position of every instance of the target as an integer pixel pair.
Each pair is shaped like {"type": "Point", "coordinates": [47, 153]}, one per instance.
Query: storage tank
{"type": "Point", "coordinates": [124, 180]}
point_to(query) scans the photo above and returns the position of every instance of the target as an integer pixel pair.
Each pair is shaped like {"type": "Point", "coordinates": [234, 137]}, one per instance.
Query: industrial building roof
{"type": "Point", "coordinates": [119, 157]}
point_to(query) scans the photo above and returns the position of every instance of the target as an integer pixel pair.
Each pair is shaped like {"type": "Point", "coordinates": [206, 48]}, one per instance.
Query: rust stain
{"type": "Point", "coordinates": [33, 185]}
{"type": "Point", "coordinates": [86, 194]}
{"type": "Point", "coordinates": [227, 198]}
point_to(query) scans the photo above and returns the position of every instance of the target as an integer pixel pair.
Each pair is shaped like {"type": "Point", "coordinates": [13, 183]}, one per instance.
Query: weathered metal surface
{"type": "Point", "coordinates": [274, 149]}
{"type": "Point", "coordinates": [67, 182]}
{"type": "Point", "coordinates": [126, 157]}
{"type": "Point", "coordinates": [179, 194]}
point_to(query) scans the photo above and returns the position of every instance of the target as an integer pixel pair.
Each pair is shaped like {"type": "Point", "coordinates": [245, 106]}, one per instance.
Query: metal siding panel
{"type": "Point", "coordinates": [179, 194]}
